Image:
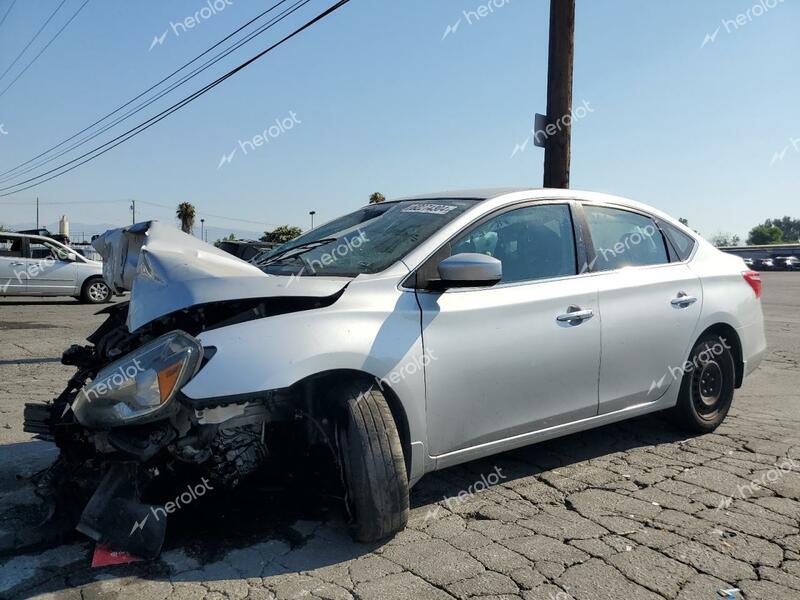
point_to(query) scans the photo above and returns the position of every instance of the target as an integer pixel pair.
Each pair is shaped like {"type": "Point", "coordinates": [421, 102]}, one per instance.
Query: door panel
{"type": "Point", "coordinates": [650, 307]}
{"type": "Point", "coordinates": [646, 337]}
{"type": "Point", "coordinates": [48, 272]}
{"type": "Point", "coordinates": [508, 359]}
{"type": "Point", "coordinates": [504, 364]}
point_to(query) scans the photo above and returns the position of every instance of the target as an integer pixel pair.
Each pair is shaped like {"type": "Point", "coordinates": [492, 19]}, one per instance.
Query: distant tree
{"type": "Point", "coordinates": [763, 234]}
{"type": "Point", "coordinates": [790, 228]}
{"type": "Point", "coordinates": [281, 234]}
{"type": "Point", "coordinates": [721, 239]}
{"type": "Point", "coordinates": [230, 238]}
{"type": "Point", "coordinates": [684, 221]}
{"type": "Point", "coordinates": [376, 198]}
{"type": "Point", "coordinates": [186, 214]}
{"type": "Point", "coordinates": [2, 228]}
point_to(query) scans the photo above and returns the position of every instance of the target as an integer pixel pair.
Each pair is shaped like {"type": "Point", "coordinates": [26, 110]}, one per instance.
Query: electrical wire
{"type": "Point", "coordinates": [111, 144]}
{"type": "Point", "coordinates": [274, 21]}
{"type": "Point", "coordinates": [5, 16]}
{"type": "Point", "coordinates": [52, 39]}
{"type": "Point", "coordinates": [33, 39]}
{"type": "Point", "coordinates": [148, 90]}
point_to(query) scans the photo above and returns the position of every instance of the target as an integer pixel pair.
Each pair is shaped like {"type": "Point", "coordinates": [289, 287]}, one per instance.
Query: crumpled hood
{"type": "Point", "coordinates": [166, 270]}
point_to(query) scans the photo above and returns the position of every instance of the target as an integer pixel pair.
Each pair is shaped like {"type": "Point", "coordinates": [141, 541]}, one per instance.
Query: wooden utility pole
{"type": "Point", "coordinates": [559, 93]}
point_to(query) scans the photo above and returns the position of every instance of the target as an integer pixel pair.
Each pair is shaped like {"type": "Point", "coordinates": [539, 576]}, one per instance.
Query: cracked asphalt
{"type": "Point", "coordinates": [634, 511]}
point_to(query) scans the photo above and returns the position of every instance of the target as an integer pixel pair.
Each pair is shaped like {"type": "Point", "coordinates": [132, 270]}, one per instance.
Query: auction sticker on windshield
{"type": "Point", "coordinates": [430, 209]}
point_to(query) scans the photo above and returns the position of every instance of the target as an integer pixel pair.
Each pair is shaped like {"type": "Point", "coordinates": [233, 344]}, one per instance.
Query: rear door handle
{"type": "Point", "coordinates": [575, 314]}
{"type": "Point", "coordinates": [683, 300]}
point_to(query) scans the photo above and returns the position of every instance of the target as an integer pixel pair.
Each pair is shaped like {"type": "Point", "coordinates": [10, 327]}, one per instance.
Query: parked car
{"type": "Point", "coordinates": [748, 261]}
{"type": "Point", "coordinates": [403, 338]}
{"type": "Point", "coordinates": [763, 264]}
{"type": "Point", "coordinates": [87, 252]}
{"type": "Point", "coordinates": [787, 263]}
{"type": "Point", "coordinates": [245, 249]}
{"type": "Point", "coordinates": [34, 265]}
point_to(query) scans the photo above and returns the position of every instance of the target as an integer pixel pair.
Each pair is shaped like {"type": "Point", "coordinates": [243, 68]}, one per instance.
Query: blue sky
{"type": "Point", "coordinates": [382, 103]}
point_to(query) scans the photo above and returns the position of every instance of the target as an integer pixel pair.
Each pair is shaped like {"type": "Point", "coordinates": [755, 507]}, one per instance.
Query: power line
{"type": "Point", "coordinates": [271, 23]}
{"type": "Point", "coordinates": [33, 39]}
{"type": "Point", "coordinates": [5, 16]}
{"type": "Point", "coordinates": [111, 144]}
{"type": "Point", "coordinates": [52, 39]}
{"type": "Point", "coordinates": [129, 102]}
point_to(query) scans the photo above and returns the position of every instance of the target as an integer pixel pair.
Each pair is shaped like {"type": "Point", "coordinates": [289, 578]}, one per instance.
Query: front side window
{"type": "Point", "coordinates": [624, 239]}
{"type": "Point", "coordinates": [535, 242]}
{"type": "Point", "coordinates": [41, 250]}
{"type": "Point", "coordinates": [367, 241]}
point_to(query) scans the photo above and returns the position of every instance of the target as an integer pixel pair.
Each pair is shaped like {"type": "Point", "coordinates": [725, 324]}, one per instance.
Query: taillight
{"type": "Point", "coordinates": [754, 279]}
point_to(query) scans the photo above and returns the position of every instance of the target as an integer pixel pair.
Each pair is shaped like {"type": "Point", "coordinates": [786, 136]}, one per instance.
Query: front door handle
{"type": "Point", "coordinates": [18, 264]}
{"type": "Point", "coordinates": [575, 314]}
{"type": "Point", "coordinates": [683, 300]}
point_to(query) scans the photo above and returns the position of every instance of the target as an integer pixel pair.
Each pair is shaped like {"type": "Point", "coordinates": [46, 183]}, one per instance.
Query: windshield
{"type": "Point", "coordinates": [366, 241]}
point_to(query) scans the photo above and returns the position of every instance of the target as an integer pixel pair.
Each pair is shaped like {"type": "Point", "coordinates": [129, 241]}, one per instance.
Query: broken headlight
{"type": "Point", "coordinates": [139, 387]}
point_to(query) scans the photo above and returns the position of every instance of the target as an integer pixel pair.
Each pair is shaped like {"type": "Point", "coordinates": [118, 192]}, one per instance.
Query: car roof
{"type": "Point", "coordinates": [535, 193]}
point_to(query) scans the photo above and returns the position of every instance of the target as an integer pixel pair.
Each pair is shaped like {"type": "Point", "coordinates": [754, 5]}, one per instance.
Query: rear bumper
{"type": "Point", "coordinates": [754, 345]}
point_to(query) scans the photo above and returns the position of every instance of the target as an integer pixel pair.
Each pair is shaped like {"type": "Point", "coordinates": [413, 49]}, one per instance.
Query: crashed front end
{"type": "Point", "coordinates": [122, 423]}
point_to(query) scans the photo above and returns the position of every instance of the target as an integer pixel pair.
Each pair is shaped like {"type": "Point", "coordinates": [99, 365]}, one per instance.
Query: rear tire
{"type": "Point", "coordinates": [707, 387]}
{"type": "Point", "coordinates": [95, 291]}
{"type": "Point", "coordinates": [374, 469]}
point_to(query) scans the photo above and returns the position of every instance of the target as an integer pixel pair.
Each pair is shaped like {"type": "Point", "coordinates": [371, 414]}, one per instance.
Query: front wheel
{"type": "Point", "coordinates": [706, 392]}
{"type": "Point", "coordinates": [95, 291]}
{"type": "Point", "coordinates": [374, 469]}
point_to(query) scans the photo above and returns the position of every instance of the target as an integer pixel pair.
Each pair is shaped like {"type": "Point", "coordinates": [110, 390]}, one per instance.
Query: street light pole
{"type": "Point", "coordinates": [559, 93]}
{"type": "Point", "coordinates": [202, 229]}
{"type": "Point", "coordinates": [312, 213]}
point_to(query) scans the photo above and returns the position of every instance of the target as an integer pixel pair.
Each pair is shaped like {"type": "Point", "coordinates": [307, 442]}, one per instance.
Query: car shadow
{"type": "Point", "coordinates": [259, 529]}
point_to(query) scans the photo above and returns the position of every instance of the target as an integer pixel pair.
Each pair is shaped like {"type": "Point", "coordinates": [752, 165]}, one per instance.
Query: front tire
{"type": "Point", "coordinates": [95, 291]}
{"type": "Point", "coordinates": [374, 469]}
{"type": "Point", "coordinates": [707, 387]}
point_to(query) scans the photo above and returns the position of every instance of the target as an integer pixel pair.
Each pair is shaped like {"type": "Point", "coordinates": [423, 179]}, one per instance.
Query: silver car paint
{"type": "Point", "coordinates": [501, 372]}
{"type": "Point", "coordinates": [41, 277]}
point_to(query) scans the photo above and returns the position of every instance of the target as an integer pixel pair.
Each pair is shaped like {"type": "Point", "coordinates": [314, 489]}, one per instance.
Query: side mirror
{"type": "Point", "coordinates": [469, 270]}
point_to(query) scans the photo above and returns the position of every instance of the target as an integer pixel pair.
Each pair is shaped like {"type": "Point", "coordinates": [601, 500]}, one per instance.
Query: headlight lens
{"type": "Point", "coordinates": [140, 386]}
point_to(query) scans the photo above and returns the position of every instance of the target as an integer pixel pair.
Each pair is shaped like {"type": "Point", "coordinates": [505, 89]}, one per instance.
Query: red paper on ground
{"type": "Point", "coordinates": [105, 556]}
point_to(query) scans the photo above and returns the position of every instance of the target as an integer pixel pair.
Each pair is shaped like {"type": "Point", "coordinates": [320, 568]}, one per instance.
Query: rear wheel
{"type": "Point", "coordinates": [707, 387]}
{"type": "Point", "coordinates": [374, 469]}
{"type": "Point", "coordinates": [95, 291]}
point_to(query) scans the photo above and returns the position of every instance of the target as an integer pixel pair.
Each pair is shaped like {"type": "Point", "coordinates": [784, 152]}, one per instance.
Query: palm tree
{"type": "Point", "coordinates": [376, 198]}
{"type": "Point", "coordinates": [185, 215]}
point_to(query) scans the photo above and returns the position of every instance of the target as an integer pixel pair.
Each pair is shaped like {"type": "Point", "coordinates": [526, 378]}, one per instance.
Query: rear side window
{"type": "Point", "coordinates": [10, 246]}
{"type": "Point", "coordinates": [535, 242]}
{"type": "Point", "coordinates": [682, 243]}
{"type": "Point", "coordinates": [624, 239]}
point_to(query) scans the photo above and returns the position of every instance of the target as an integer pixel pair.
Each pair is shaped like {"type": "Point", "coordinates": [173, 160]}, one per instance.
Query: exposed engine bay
{"type": "Point", "coordinates": [123, 427]}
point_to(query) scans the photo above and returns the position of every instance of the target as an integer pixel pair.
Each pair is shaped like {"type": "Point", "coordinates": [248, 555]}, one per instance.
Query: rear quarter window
{"type": "Point", "coordinates": [682, 244]}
